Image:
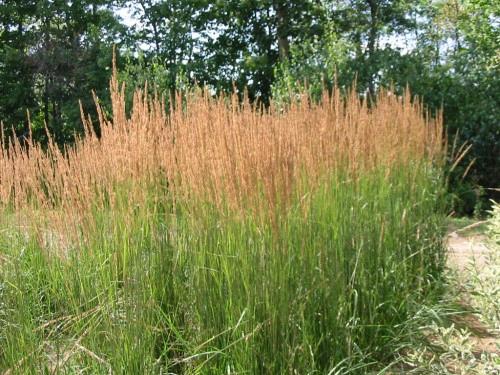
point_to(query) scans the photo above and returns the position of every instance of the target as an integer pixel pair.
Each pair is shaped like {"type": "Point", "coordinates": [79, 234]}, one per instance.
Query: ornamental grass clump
{"type": "Point", "coordinates": [218, 236]}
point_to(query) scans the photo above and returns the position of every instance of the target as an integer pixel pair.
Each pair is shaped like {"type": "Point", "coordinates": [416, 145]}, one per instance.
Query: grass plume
{"type": "Point", "coordinates": [220, 237]}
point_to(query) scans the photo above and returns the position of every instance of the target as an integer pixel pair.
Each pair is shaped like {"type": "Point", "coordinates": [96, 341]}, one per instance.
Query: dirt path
{"type": "Point", "coordinates": [465, 249]}
{"type": "Point", "coordinates": [473, 260]}
{"type": "Point", "coordinates": [459, 333]}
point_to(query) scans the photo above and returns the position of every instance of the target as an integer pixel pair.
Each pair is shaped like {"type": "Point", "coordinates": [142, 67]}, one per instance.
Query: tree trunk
{"type": "Point", "coordinates": [372, 40]}
{"type": "Point", "coordinates": [282, 29]}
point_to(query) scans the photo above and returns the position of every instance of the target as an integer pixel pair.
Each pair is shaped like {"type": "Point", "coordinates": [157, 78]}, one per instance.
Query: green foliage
{"type": "Point", "coordinates": [313, 65]}
{"type": "Point", "coordinates": [52, 55]}
{"type": "Point", "coordinates": [494, 224]}
{"type": "Point", "coordinates": [154, 289]}
{"type": "Point", "coordinates": [139, 73]}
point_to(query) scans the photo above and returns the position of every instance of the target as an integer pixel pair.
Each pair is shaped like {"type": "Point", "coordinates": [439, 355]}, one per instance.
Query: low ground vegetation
{"type": "Point", "coordinates": [460, 332]}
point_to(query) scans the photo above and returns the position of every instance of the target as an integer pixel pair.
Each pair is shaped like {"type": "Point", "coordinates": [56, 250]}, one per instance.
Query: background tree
{"type": "Point", "coordinates": [446, 52]}
{"type": "Point", "coordinates": [54, 53]}
{"type": "Point", "coordinates": [222, 43]}
{"type": "Point", "coordinates": [16, 73]}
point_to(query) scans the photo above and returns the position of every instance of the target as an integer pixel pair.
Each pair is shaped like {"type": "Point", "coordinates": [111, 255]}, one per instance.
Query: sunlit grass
{"type": "Point", "coordinates": [220, 239]}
